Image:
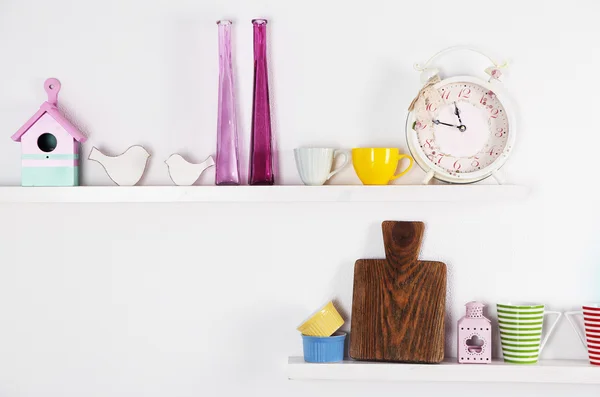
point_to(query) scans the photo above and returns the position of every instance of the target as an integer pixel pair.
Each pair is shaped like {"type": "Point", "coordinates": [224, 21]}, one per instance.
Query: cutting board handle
{"type": "Point", "coordinates": [402, 241]}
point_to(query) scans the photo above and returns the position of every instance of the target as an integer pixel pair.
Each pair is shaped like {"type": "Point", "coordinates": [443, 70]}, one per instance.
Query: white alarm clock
{"type": "Point", "coordinates": [460, 129]}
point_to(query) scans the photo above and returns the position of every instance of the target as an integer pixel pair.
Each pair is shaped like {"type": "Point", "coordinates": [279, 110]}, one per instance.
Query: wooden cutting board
{"type": "Point", "coordinates": [399, 302]}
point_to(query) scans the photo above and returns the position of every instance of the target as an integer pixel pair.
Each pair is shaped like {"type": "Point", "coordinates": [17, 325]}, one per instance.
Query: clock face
{"type": "Point", "coordinates": [461, 128]}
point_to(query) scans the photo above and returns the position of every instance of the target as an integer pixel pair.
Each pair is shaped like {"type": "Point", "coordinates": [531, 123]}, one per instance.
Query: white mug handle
{"type": "Point", "coordinates": [551, 328]}
{"type": "Point", "coordinates": [339, 152]}
{"type": "Point", "coordinates": [575, 328]}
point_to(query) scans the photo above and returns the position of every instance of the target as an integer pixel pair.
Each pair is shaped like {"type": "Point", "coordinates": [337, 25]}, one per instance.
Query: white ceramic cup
{"type": "Point", "coordinates": [315, 164]}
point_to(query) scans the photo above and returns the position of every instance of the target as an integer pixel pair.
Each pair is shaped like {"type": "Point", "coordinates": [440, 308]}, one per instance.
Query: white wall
{"type": "Point", "coordinates": [199, 299]}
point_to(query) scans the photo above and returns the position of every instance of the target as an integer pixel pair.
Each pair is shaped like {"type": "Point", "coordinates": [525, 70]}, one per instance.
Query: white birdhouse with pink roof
{"type": "Point", "coordinates": [50, 145]}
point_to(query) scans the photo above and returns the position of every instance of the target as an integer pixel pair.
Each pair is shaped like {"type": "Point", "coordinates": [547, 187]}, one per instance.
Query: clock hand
{"type": "Point", "coordinates": [461, 127]}
{"type": "Point", "coordinates": [457, 113]}
{"type": "Point", "coordinates": [437, 122]}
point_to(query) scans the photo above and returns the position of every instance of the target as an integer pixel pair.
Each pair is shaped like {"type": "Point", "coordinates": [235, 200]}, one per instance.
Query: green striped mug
{"type": "Point", "coordinates": [521, 331]}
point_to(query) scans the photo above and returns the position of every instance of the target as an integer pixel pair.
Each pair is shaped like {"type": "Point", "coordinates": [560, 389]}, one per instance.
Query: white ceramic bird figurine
{"type": "Point", "coordinates": [184, 173]}
{"type": "Point", "coordinates": [125, 169]}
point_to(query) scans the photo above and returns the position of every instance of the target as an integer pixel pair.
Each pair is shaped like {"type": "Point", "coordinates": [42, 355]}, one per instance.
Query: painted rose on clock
{"type": "Point", "coordinates": [460, 130]}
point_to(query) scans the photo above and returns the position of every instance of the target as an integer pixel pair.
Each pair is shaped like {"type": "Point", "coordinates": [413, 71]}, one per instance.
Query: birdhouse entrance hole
{"type": "Point", "coordinates": [47, 142]}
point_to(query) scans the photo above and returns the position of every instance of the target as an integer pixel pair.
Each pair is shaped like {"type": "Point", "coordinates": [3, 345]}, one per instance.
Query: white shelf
{"type": "Point", "coordinates": [261, 194]}
{"type": "Point", "coordinates": [546, 371]}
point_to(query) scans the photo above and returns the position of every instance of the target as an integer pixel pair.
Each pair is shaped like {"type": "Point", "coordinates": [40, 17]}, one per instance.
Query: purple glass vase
{"type": "Point", "coordinates": [227, 167]}
{"type": "Point", "coordinates": [261, 153]}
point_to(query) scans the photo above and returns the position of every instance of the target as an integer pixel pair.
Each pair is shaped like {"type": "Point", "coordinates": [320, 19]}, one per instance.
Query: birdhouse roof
{"type": "Point", "coordinates": [52, 87]}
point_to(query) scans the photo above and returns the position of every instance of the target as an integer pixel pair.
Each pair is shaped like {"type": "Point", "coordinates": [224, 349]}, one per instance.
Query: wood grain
{"type": "Point", "coordinates": [399, 302]}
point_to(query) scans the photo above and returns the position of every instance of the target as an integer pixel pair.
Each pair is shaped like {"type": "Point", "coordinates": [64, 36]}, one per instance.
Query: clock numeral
{"type": "Point", "coordinates": [428, 143]}
{"type": "Point", "coordinates": [491, 152]}
{"type": "Point", "coordinates": [431, 157]}
{"type": "Point", "coordinates": [483, 100]}
{"type": "Point", "coordinates": [499, 132]}
{"type": "Point", "coordinates": [494, 113]}
{"type": "Point", "coordinates": [421, 125]}
{"type": "Point", "coordinates": [464, 93]}
{"type": "Point", "coordinates": [457, 165]}
{"type": "Point", "coordinates": [475, 162]}
{"type": "Point", "coordinates": [430, 107]}
{"type": "Point", "coordinates": [446, 95]}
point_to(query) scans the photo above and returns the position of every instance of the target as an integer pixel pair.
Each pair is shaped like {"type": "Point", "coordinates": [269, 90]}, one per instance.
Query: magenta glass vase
{"type": "Point", "coordinates": [227, 167]}
{"type": "Point", "coordinates": [261, 152]}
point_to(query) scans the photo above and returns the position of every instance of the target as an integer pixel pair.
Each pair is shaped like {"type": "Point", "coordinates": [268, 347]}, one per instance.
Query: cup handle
{"type": "Point", "coordinates": [577, 331]}
{"type": "Point", "coordinates": [400, 157]}
{"type": "Point", "coordinates": [551, 328]}
{"type": "Point", "coordinates": [339, 152]}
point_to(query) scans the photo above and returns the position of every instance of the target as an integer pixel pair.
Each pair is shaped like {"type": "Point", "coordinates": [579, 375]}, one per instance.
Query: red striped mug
{"type": "Point", "coordinates": [591, 319]}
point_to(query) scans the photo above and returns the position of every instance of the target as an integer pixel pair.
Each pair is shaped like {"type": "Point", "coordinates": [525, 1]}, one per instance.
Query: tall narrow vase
{"type": "Point", "coordinates": [261, 153]}
{"type": "Point", "coordinates": [227, 167]}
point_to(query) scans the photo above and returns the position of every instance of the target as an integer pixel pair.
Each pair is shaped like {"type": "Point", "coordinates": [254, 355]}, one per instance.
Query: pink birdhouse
{"type": "Point", "coordinates": [474, 336]}
{"type": "Point", "coordinates": [49, 145]}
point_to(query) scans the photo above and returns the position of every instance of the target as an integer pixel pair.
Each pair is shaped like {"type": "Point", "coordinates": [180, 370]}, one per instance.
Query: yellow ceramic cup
{"type": "Point", "coordinates": [324, 322]}
{"type": "Point", "coordinates": [377, 166]}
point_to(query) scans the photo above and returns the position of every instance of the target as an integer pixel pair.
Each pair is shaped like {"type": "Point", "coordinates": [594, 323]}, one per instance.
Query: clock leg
{"type": "Point", "coordinates": [428, 177]}
{"type": "Point", "coordinates": [497, 175]}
